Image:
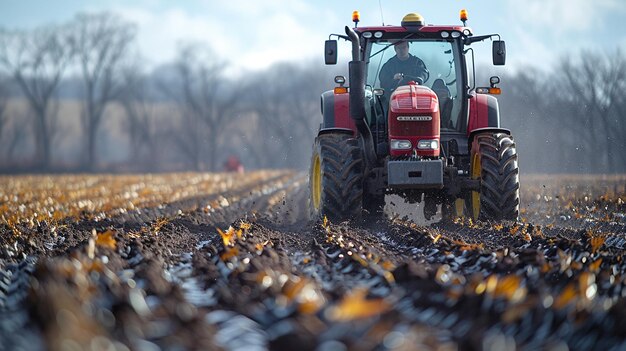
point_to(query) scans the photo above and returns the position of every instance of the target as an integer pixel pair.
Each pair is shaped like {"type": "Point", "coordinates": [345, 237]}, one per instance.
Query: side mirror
{"type": "Point", "coordinates": [498, 51]}
{"type": "Point", "coordinates": [330, 52]}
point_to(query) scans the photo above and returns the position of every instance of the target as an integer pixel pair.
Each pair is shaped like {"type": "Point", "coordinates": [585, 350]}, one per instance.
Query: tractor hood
{"type": "Point", "coordinates": [414, 117]}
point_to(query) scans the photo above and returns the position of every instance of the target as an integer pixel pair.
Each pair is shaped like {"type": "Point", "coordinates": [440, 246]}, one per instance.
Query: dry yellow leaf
{"type": "Point", "coordinates": [106, 239]}
{"type": "Point", "coordinates": [388, 265]}
{"type": "Point", "coordinates": [595, 265]}
{"type": "Point", "coordinates": [356, 306]}
{"type": "Point", "coordinates": [228, 237]}
{"type": "Point", "coordinates": [95, 265]}
{"type": "Point", "coordinates": [357, 257]}
{"type": "Point", "coordinates": [491, 284]}
{"type": "Point", "coordinates": [596, 243]}
{"type": "Point", "coordinates": [229, 253]}
{"type": "Point", "coordinates": [468, 246]}
{"type": "Point", "coordinates": [159, 224]}
{"type": "Point", "coordinates": [309, 307]}
{"type": "Point", "coordinates": [587, 285]}
{"type": "Point", "coordinates": [567, 296]}
{"type": "Point", "coordinates": [537, 232]}
{"type": "Point", "coordinates": [245, 225]}
{"type": "Point", "coordinates": [576, 265]}
{"type": "Point", "coordinates": [389, 277]}
{"type": "Point", "coordinates": [510, 287]}
{"type": "Point", "coordinates": [260, 246]}
{"type": "Point", "coordinates": [527, 237]}
{"type": "Point", "coordinates": [293, 286]}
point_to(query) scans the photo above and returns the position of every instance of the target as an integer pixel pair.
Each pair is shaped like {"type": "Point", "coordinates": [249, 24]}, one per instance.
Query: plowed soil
{"type": "Point", "coordinates": [219, 261]}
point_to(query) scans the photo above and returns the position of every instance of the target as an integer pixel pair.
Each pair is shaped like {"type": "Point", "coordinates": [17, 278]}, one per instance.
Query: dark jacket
{"type": "Point", "coordinates": [412, 66]}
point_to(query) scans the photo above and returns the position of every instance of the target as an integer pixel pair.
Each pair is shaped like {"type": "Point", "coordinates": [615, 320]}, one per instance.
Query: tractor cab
{"type": "Point", "coordinates": [442, 62]}
{"type": "Point", "coordinates": [443, 50]}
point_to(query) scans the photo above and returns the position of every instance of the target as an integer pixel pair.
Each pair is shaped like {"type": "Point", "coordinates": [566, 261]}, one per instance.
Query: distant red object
{"type": "Point", "coordinates": [233, 164]}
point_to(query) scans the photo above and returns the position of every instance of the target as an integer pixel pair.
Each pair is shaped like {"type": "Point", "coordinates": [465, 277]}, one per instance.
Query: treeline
{"type": "Point", "coordinates": [571, 119]}
{"type": "Point", "coordinates": [78, 97]}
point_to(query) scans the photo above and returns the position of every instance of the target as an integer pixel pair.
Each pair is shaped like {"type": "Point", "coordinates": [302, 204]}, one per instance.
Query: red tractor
{"type": "Point", "coordinates": [422, 131]}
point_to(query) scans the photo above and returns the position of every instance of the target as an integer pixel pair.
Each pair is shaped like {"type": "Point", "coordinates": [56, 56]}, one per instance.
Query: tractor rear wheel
{"type": "Point", "coordinates": [336, 178]}
{"type": "Point", "coordinates": [494, 162]}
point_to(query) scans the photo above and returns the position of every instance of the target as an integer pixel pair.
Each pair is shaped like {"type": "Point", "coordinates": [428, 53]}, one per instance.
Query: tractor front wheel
{"type": "Point", "coordinates": [336, 178]}
{"type": "Point", "coordinates": [494, 162]}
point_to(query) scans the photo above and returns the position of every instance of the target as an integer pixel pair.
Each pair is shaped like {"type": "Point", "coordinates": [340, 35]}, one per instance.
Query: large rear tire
{"type": "Point", "coordinates": [494, 162]}
{"type": "Point", "coordinates": [336, 178]}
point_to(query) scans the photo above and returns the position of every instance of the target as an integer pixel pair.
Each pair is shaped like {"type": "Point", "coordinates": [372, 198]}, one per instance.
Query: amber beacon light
{"type": "Point", "coordinates": [356, 17]}
{"type": "Point", "coordinates": [463, 16]}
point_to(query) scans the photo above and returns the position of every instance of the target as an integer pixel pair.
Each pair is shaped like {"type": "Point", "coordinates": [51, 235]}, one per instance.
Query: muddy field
{"type": "Point", "coordinates": [215, 261]}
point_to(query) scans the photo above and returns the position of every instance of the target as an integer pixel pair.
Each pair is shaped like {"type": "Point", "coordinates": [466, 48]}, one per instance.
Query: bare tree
{"type": "Point", "coordinates": [593, 88]}
{"type": "Point", "coordinates": [526, 109]}
{"type": "Point", "coordinates": [103, 41]}
{"type": "Point", "coordinates": [288, 112]}
{"type": "Point", "coordinates": [206, 100]}
{"type": "Point", "coordinates": [569, 119]}
{"type": "Point", "coordinates": [37, 60]}
{"type": "Point", "coordinates": [3, 104]}
{"type": "Point", "coordinates": [16, 143]}
{"type": "Point", "coordinates": [139, 117]}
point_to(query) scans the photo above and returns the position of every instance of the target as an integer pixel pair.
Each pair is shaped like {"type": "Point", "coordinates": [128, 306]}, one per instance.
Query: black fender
{"type": "Point", "coordinates": [335, 112]}
{"type": "Point", "coordinates": [347, 131]}
{"type": "Point", "coordinates": [328, 110]}
{"type": "Point", "coordinates": [493, 112]}
{"type": "Point", "coordinates": [486, 129]}
{"type": "Point", "coordinates": [484, 112]}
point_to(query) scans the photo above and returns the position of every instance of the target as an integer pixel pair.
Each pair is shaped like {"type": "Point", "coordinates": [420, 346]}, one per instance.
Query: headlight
{"type": "Point", "coordinates": [428, 144]}
{"type": "Point", "coordinates": [445, 34]}
{"type": "Point", "coordinates": [400, 144]}
{"type": "Point", "coordinates": [456, 34]}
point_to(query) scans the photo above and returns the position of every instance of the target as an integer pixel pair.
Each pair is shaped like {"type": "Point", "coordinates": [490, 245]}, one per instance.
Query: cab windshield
{"type": "Point", "coordinates": [439, 59]}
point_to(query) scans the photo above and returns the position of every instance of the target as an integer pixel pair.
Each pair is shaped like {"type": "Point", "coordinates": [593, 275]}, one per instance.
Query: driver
{"type": "Point", "coordinates": [402, 68]}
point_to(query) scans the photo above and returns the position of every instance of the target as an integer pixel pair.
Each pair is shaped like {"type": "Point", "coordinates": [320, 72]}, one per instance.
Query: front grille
{"type": "Point", "coordinates": [412, 128]}
{"type": "Point", "coordinates": [424, 102]}
{"type": "Point", "coordinates": [405, 102]}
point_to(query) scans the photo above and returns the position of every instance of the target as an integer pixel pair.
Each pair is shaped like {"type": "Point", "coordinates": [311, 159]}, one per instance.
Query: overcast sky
{"type": "Point", "coordinates": [253, 34]}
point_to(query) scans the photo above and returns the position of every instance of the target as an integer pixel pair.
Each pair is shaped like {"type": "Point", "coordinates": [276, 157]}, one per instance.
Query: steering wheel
{"type": "Point", "coordinates": [407, 78]}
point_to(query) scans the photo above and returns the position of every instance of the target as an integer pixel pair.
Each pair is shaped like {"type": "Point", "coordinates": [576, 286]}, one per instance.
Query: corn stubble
{"type": "Point", "coordinates": [209, 261]}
